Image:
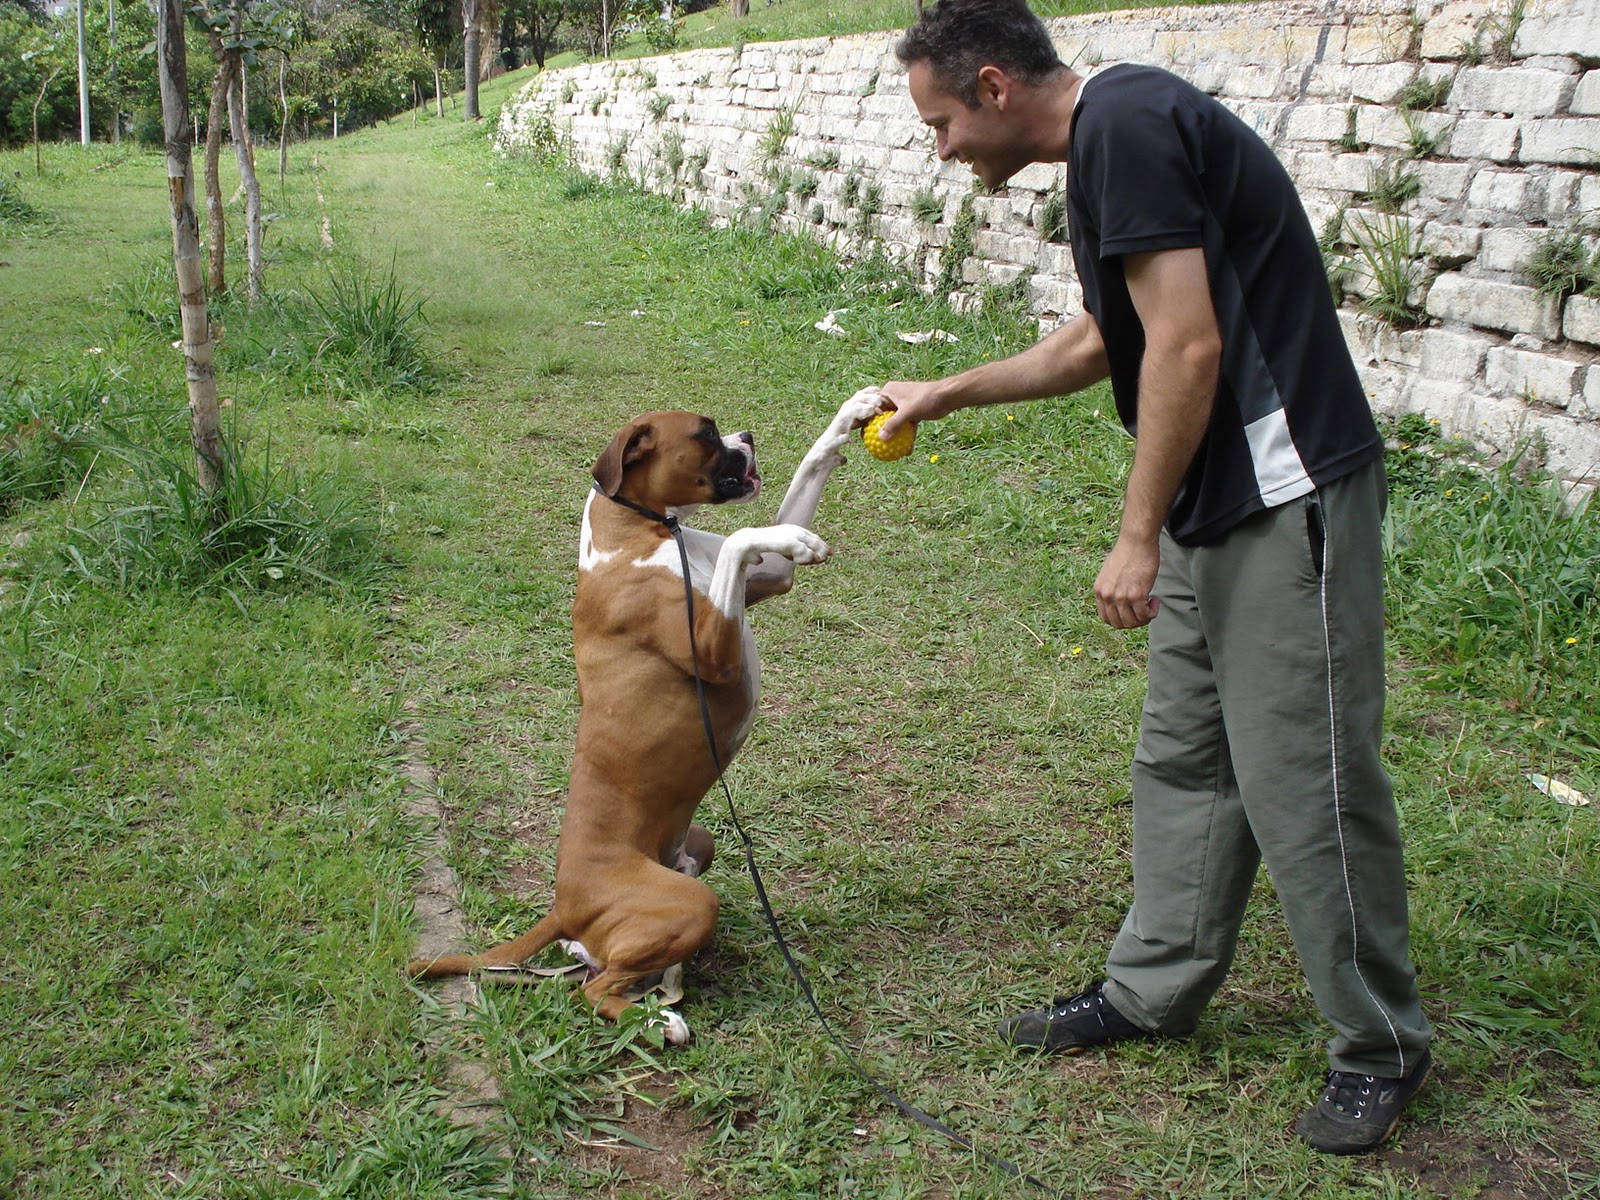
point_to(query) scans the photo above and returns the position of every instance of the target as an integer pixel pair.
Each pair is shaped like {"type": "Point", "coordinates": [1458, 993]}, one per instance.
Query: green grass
{"type": "Point", "coordinates": [205, 874]}
{"type": "Point", "coordinates": [716, 26]}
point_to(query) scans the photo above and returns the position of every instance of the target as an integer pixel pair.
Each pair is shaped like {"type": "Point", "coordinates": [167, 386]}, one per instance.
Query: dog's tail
{"type": "Point", "coordinates": [518, 949]}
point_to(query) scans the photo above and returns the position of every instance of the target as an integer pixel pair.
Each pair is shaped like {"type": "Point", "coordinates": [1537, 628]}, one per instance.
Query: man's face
{"type": "Point", "coordinates": [981, 137]}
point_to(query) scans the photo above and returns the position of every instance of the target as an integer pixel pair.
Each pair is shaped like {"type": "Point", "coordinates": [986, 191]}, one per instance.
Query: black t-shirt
{"type": "Point", "coordinates": [1156, 164]}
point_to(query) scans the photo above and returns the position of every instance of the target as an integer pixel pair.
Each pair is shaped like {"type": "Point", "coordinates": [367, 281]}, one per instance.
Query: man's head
{"type": "Point", "coordinates": [981, 73]}
{"type": "Point", "coordinates": [955, 38]}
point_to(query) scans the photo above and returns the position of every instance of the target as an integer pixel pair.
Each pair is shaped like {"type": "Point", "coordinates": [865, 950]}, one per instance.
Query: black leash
{"type": "Point", "coordinates": [884, 1092]}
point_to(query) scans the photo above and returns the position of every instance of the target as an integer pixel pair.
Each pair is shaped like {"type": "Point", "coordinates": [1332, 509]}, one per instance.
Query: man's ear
{"type": "Point", "coordinates": [994, 85]}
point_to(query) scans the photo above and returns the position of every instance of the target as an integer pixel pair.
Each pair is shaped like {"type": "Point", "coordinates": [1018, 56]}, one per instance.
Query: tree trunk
{"type": "Point", "coordinates": [204, 415]}
{"type": "Point", "coordinates": [245, 148]}
{"type": "Point", "coordinates": [38, 166]}
{"type": "Point", "coordinates": [469, 20]}
{"type": "Point", "coordinates": [216, 231]}
{"type": "Point", "coordinates": [283, 126]}
{"type": "Point", "coordinates": [438, 92]}
{"type": "Point", "coordinates": [741, 8]}
{"type": "Point", "coordinates": [116, 88]}
{"type": "Point", "coordinates": [83, 80]}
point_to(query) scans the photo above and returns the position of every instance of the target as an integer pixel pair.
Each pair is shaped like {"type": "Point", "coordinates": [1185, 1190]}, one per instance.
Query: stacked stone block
{"type": "Point", "coordinates": [1486, 111]}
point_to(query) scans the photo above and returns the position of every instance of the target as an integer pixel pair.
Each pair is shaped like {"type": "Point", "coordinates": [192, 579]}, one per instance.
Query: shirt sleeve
{"type": "Point", "coordinates": [1142, 166]}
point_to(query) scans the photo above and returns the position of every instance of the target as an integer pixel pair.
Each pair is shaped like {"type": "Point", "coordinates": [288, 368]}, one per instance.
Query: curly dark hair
{"type": "Point", "coordinates": [957, 37]}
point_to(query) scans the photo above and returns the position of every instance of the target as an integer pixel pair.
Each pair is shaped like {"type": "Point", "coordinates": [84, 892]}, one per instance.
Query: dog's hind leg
{"type": "Point", "coordinates": [518, 949]}
{"type": "Point", "coordinates": [680, 919]}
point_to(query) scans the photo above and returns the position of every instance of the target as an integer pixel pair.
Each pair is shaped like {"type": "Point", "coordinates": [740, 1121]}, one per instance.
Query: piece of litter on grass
{"type": "Point", "coordinates": [596, 324]}
{"type": "Point", "coordinates": [1562, 793]}
{"type": "Point", "coordinates": [930, 335]}
{"type": "Point", "coordinates": [830, 325]}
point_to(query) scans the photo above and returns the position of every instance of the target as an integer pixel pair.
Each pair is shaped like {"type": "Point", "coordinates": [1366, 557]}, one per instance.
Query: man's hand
{"type": "Point", "coordinates": [911, 401]}
{"type": "Point", "coordinates": [1122, 591]}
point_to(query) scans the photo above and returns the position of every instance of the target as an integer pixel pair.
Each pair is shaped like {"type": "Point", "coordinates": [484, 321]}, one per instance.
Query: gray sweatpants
{"type": "Point", "coordinates": [1259, 741]}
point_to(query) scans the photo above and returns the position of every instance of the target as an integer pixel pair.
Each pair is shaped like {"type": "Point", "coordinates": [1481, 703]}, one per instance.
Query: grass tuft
{"type": "Point", "coordinates": [269, 525]}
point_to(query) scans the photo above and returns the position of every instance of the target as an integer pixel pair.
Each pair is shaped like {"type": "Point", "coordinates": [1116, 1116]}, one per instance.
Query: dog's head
{"type": "Point", "coordinates": [667, 460]}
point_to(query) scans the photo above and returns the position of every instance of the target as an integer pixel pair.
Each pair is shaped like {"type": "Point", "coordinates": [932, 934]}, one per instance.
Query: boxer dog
{"type": "Point", "coordinates": [629, 903]}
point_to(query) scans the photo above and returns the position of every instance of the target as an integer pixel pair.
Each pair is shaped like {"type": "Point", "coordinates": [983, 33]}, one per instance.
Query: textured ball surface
{"type": "Point", "coordinates": [896, 447]}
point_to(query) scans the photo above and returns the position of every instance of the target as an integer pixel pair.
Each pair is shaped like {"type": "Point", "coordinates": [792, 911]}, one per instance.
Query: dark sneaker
{"type": "Point", "coordinates": [1071, 1024]}
{"type": "Point", "coordinates": [1357, 1113]}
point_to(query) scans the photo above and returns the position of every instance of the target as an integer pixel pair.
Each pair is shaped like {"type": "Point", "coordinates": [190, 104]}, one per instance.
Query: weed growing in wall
{"type": "Point", "coordinates": [671, 154]}
{"type": "Point", "coordinates": [959, 248]}
{"type": "Point", "coordinates": [1501, 30]}
{"type": "Point", "coordinates": [1348, 141]}
{"type": "Point", "coordinates": [871, 204]}
{"type": "Point", "coordinates": [658, 105]}
{"type": "Point", "coordinates": [616, 155]}
{"type": "Point", "coordinates": [1053, 217]}
{"type": "Point", "coordinates": [926, 207]}
{"type": "Point", "coordinates": [1423, 94]}
{"type": "Point", "coordinates": [1386, 251]}
{"type": "Point", "coordinates": [851, 192]}
{"type": "Point", "coordinates": [1390, 188]}
{"type": "Point", "coordinates": [1562, 265]}
{"type": "Point", "coordinates": [779, 130]}
{"type": "Point", "coordinates": [1335, 262]}
{"type": "Point", "coordinates": [1420, 141]}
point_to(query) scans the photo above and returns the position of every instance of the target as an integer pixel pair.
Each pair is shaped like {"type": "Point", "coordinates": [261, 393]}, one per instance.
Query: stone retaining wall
{"type": "Point", "coordinates": [1440, 147]}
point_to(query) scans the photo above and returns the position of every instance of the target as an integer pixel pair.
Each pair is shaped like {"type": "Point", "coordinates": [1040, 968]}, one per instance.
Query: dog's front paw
{"type": "Point", "coordinates": [794, 542]}
{"type": "Point", "coordinates": [673, 1027]}
{"type": "Point", "coordinates": [860, 408]}
{"type": "Point", "coordinates": [799, 544]}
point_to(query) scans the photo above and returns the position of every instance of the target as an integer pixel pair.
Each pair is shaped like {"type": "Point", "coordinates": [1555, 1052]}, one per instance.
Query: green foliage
{"type": "Point", "coordinates": [1392, 187]}
{"type": "Point", "coordinates": [1494, 582]}
{"type": "Point", "coordinates": [869, 205]}
{"type": "Point", "coordinates": [777, 134]}
{"type": "Point", "coordinates": [46, 430]}
{"type": "Point", "coordinates": [28, 55]}
{"type": "Point", "coordinates": [1424, 93]}
{"type": "Point", "coordinates": [663, 34]}
{"type": "Point", "coordinates": [1563, 263]}
{"type": "Point", "coordinates": [366, 71]}
{"type": "Point", "coordinates": [958, 248]}
{"type": "Point", "coordinates": [1350, 141]}
{"type": "Point", "coordinates": [927, 207]}
{"type": "Point", "coordinates": [1387, 250]}
{"type": "Point", "coordinates": [371, 323]}
{"type": "Point", "coordinates": [269, 525]}
{"type": "Point", "coordinates": [1053, 217]}
{"type": "Point", "coordinates": [1420, 141]}
{"type": "Point", "coordinates": [14, 207]}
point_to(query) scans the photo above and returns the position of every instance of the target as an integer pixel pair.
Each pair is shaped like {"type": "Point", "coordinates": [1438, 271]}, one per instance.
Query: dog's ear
{"type": "Point", "coordinates": [627, 448]}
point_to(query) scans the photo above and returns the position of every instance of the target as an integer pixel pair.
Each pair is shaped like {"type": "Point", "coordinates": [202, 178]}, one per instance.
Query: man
{"type": "Point", "coordinates": [1249, 541]}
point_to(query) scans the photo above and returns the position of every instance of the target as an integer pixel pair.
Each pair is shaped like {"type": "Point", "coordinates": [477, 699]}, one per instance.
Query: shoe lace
{"type": "Point", "coordinates": [1088, 1000]}
{"type": "Point", "coordinates": [1349, 1092]}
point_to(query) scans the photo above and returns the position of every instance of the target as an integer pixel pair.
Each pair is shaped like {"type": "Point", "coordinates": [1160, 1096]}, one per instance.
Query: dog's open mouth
{"type": "Point", "coordinates": [741, 481]}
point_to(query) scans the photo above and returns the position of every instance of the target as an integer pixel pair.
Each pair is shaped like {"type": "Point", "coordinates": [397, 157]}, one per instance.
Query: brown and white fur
{"type": "Point", "coordinates": [628, 898]}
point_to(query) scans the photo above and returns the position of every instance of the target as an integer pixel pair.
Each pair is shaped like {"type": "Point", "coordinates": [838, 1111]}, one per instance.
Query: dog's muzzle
{"type": "Point", "coordinates": [737, 477]}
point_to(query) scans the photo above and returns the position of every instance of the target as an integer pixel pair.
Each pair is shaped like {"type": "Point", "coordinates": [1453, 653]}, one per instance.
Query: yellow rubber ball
{"type": "Point", "coordinates": [896, 447]}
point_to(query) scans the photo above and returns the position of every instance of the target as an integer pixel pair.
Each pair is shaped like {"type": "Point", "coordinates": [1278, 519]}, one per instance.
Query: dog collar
{"type": "Point", "coordinates": [669, 522]}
